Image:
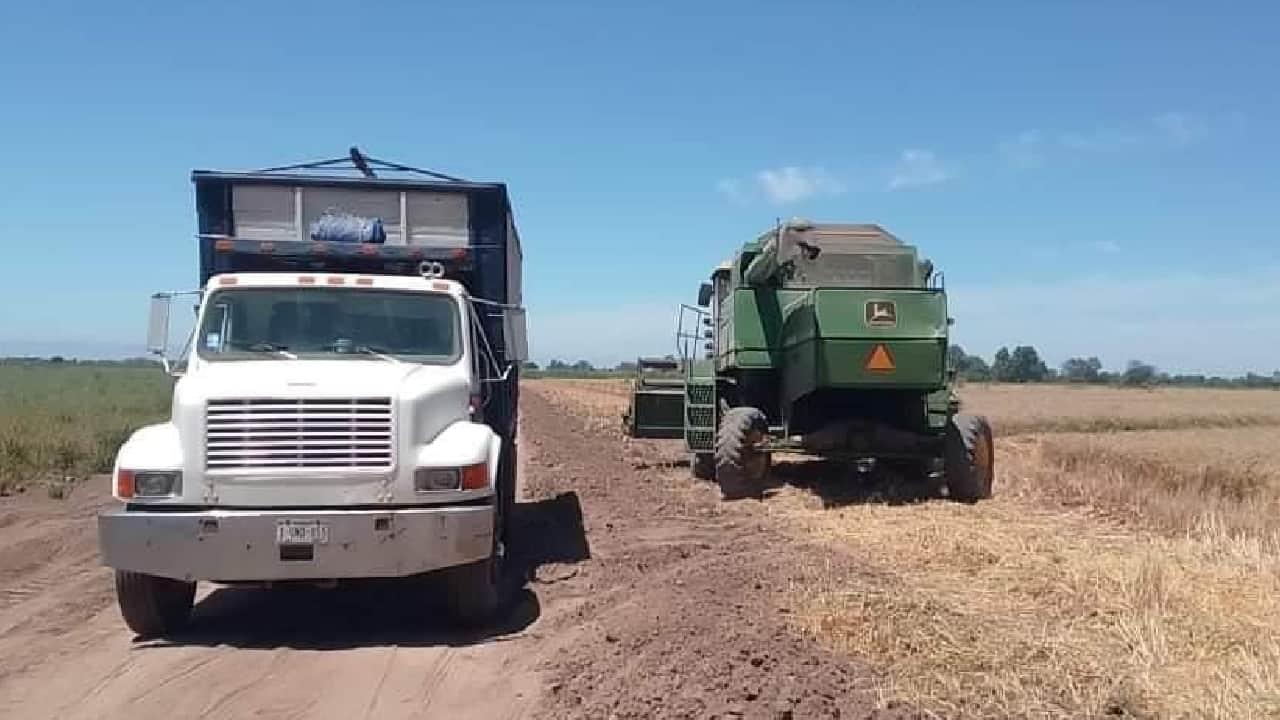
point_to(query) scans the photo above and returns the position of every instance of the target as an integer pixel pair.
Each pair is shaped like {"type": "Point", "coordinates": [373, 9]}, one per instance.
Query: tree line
{"type": "Point", "coordinates": [579, 368]}
{"type": "Point", "coordinates": [1023, 364]}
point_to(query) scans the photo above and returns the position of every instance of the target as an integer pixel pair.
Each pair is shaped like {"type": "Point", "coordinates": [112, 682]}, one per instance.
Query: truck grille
{"type": "Point", "coordinates": [292, 433]}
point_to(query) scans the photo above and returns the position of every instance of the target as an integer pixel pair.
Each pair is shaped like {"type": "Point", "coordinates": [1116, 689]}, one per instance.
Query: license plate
{"type": "Point", "coordinates": [301, 533]}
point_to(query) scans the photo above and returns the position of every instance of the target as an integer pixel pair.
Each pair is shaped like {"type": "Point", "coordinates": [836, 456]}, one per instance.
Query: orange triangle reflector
{"type": "Point", "coordinates": [880, 360]}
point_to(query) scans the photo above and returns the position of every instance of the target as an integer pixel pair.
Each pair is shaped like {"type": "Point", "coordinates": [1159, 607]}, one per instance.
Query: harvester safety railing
{"type": "Point", "coordinates": [689, 341]}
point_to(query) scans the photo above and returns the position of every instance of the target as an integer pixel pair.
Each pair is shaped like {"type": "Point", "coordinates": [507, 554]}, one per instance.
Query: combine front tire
{"type": "Point", "coordinates": [969, 458]}
{"type": "Point", "coordinates": [703, 466]}
{"type": "Point", "coordinates": [741, 467]}
{"type": "Point", "coordinates": [153, 606]}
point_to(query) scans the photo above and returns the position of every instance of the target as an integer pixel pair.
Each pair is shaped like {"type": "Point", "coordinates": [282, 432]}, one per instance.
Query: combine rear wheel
{"type": "Point", "coordinates": [741, 467]}
{"type": "Point", "coordinates": [969, 458]}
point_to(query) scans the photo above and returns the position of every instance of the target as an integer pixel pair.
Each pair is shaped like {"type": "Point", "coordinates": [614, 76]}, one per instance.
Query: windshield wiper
{"type": "Point", "coordinates": [280, 350]}
{"type": "Point", "coordinates": [379, 353]}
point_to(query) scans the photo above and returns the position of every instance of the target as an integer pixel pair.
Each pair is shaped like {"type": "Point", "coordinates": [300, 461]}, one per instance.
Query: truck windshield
{"type": "Point", "coordinates": [260, 323]}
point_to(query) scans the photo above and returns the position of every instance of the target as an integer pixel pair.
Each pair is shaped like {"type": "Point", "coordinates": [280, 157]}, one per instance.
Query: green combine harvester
{"type": "Point", "coordinates": [826, 340]}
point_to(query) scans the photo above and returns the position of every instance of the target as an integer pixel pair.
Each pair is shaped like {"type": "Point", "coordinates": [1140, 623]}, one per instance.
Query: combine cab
{"type": "Point", "coordinates": [827, 340]}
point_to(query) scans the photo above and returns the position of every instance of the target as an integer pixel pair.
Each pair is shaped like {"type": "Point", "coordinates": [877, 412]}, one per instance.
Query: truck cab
{"type": "Point", "coordinates": [342, 409]}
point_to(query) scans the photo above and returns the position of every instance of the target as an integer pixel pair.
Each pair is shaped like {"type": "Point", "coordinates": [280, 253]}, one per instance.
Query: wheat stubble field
{"type": "Point", "coordinates": [1128, 566]}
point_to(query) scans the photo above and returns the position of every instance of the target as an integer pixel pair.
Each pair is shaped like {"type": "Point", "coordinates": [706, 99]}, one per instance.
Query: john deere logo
{"type": "Point", "coordinates": [881, 313]}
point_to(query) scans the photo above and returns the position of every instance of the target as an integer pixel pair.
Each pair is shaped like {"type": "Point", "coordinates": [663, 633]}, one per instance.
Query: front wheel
{"type": "Point", "coordinates": [703, 466]}
{"type": "Point", "coordinates": [969, 458]}
{"type": "Point", "coordinates": [741, 466]}
{"type": "Point", "coordinates": [474, 591]}
{"type": "Point", "coordinates": [153, 606]}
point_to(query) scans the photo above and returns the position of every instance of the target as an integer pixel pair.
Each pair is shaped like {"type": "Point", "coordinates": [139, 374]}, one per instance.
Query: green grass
{"type": "Point", "coordinates": [60, 421]}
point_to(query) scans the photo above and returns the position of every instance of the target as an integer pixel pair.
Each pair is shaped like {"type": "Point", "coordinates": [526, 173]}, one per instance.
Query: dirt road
{"type": "Point", "coordinates": [642, 596]}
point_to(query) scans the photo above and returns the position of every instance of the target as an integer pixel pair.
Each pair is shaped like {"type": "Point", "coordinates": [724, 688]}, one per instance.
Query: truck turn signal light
{"type": "Point", "coordinates": [475, 477]}
{"type": "Point", "coordinates": [124, 484]}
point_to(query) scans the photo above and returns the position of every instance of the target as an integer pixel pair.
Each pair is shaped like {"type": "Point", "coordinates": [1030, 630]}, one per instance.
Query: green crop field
{"type": "Point", "coordinates": [68, 420]}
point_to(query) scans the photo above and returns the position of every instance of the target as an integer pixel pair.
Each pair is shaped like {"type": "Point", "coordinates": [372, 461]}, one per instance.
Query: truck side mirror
{"type": "Point", "coordinates": [158, 327]}
{"type": "Point", "coordinates": [704, 295]}
{"type": "Point", "coordinates": [515, 336]}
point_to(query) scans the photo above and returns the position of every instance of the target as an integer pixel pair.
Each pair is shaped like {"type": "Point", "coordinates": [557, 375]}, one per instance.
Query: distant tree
{"type": "Point", "coordinates": [558, 364]}
{"type": "Point", "coordinates": [529, 365]}
{"type": "Point", "coordinates": [1082, 370]}
{"type": "Point", "coordinates": [967, 367]}
{"type": "Point", "coordinates": [583, 366]}
{"type": "Point", "coordinates": [1002, 366]}
{"type": "Point", "coordinates": [626, 366]}
{"type": "Point", "coordinates": [1021, 366]}
{"type": "Point", "coordinates": [1027, 365]}
{"type": "Point", "coordinates": [1138, 373]}
{"type": "Point", "coordinates": [1254, 380]}
{"type": "Point", "coordinates": [57, 359]}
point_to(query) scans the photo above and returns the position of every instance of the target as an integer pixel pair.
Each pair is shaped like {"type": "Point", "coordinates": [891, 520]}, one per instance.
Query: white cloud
{"type": "Point", "coordinates": [1025, 151]}
{"type": "Point", "coordinates": [732, 189]}
{"type": "Point", "coordinates": [917, 168]}
{"type": "Point", "coordinates": [1034, 148]}
{"type": "Point", "coordinates": [793, 184]}
{"type": "Point", "coordinates": [1101, 140]}
{"type": "Point", "coordinates": [1179, 128]}
{"type": "Point", "coordinates": [1109, 247]}
{"type": "Point", "coordinates": [782, 186]}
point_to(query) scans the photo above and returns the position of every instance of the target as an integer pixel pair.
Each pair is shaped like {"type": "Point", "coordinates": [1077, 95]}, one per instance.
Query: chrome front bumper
{"type": "Point", "coordinates": [235, 545]}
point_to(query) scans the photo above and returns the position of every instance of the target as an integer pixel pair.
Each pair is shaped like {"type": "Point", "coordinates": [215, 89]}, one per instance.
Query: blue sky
{"type": "Point", "coordinates": [1094, 178]}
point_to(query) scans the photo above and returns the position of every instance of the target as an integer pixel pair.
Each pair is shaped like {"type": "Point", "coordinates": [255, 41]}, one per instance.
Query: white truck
{"type": "Point", "coordinates": [345, 406]}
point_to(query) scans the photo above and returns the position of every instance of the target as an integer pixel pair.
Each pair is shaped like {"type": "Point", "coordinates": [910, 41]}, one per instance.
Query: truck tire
{"type": "Point", "coordinates": [153, 606]}
{"type": "Point", "coordinates": [969, 458]}
{"type": "Point", "coordinates": [507, 489]}
{"type": "Point", "coordinates": [473, 592]}
{"type": "Point", "coordinates": [703, 465]}
{"type": "Point", "coordinates": [741, 469]}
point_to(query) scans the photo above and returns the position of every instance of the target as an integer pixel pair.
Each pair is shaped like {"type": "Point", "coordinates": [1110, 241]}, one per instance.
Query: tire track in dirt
{"type": "Point", "coordinates": [682, 608]}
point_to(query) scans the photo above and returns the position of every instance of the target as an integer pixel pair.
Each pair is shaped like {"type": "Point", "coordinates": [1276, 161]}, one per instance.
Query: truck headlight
{"type": "Point", "coordinates": [429, 479]}
{"type": "Point", "coordinates": [471, 477]}
{"type": "Point", "coordinates": [148, 483]}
